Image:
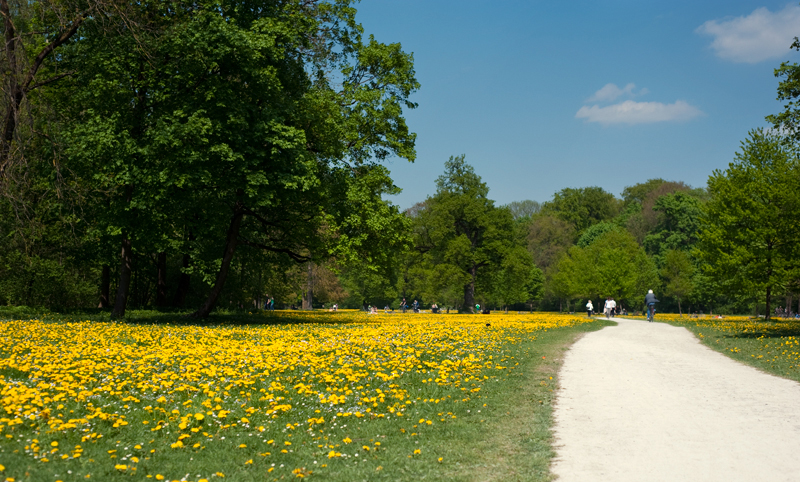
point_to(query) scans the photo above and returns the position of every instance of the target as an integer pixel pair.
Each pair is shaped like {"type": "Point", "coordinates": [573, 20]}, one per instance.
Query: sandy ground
{"type": "Point", "coordinates": [646, 401]}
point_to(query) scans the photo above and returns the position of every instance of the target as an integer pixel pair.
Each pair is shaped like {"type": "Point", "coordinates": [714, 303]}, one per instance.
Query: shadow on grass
{"type": "Point", "coordinates": [174, 317]}
{"type": "Point", "coordinates": [778, 328]}
{"type": "Point", "coordinates": [780, 333]}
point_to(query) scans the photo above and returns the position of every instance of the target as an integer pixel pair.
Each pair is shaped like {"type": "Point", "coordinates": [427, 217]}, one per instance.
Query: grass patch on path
{"type": "Point", "coordinates": [771, 346]}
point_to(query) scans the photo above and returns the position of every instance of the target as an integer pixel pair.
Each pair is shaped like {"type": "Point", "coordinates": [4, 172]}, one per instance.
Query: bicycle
{"type": "Point", "coordinates": [651, 312]}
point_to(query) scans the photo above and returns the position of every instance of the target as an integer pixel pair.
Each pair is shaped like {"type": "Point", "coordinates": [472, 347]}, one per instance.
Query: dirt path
{"type": "Point", "coordinates": [646, 401]}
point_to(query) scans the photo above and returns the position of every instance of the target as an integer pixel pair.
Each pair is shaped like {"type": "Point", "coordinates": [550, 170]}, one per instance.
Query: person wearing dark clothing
{"type": "Point", "coordinates": [650, 304]}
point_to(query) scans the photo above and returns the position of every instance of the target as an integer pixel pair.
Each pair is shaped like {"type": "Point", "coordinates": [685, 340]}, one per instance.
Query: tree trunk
{"type": "Point", "coordinates": [21, 82]}
{"type": "Point", "coordinates": [183, 284]}
{"type": "Point", "coordinates": [469, 290]}
{"type": "Point", "coordinates": [161, 280]}
{"type": "Point", "coordinates": [14, 94]}
{"type": "Point", "coordinates": [769, 300]}
{"type": "Point", "coordinates": [126, 260]}
{"type": "Point", "coordinates": [105, 285]}
{"type": "Point", "coordinates": [680, 312]}
{"type": "Point", "coordinates": [230, 248]}
{"type": "Point", "coordinates": [308, 299]}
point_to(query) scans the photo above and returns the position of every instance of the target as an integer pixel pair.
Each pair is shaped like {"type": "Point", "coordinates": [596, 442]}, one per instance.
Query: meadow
{"type": "Point", "coordinates": [334, 396]}
{"type": "Point", "coordinates": [772, 346]}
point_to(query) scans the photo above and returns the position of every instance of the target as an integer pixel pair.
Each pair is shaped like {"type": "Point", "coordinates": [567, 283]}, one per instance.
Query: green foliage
{"type": "Point", "coordinates": [788, 121]}
{"type": "Point", "coordinates": [461, 242]}
{"type": "Point", "coordinates": [582, 207]}
{"type": "Point", "coordinates": [596, 231]}
{"type": "Point", "coordinates": [749, 237]}
{"type": "Point", "coordinates": [518, 279]}
{"type": "Point", "coordinates": [678, 223]}
{"type": "Point", "coordinates": [638, 193]}
{"type": "Point", "coordinates": [614, 265]}
{"type": "Point", "coordinates": [678, 272]}
{"type": "Point", "coordinates": [547, 238]}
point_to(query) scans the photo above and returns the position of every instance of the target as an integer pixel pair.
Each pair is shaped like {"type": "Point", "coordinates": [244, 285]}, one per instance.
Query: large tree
{"type": "Point", "coordinates": [788, 121]}
{"type": "Point", "coordinates": [678, 222]}
{"type": "Point", "coordinates": [461, 236]}
{"type": "Point", "coordinates": [612, 265]}
{"type": "Point", "coordinates": [678, 274]}
{"type": "Point", "coordinates": [749, 238]}
{"type": "Point", "coordinates": [582, 207]}
{"type": "Point", "coordinates": [241, 123]}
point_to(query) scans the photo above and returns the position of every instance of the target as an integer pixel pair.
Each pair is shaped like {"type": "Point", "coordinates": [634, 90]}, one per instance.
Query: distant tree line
{"type": "Point", "coordinates": [205, 155]}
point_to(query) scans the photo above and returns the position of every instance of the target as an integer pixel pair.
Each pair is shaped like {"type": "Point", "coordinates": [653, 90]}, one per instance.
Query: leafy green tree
{"type": "Point", "coordinates": [640, 216]}
{"type": "Point", "coordinates": [788, 121]}
{"type": "Point", "coordinates": [460, 235]}
{"type": "Point", "coordinates": [638, 193]}
{"type": "Point", "coordinates": [749, 237]}
{"type": "Point", "coordinates": [582, 207]}
{"type": "Point", "coordinates": [34, 35]}
{"type": "Point", "coordinates": [246, 124]}
{"type": "Point", "coordinates": [679, 216]}
{"type": "Point", "coordinates": [560, 281]}
{"type": "Point", "coordinates": [518, 279]}
{"type": "Point", "coordinates": [547, 238]}
{"type": "Point", "coordinates": [613, 265]}
{"type": "Point", "coordinates": [596, 231]}
{"type": "Point", "coordinates": [678, 273]}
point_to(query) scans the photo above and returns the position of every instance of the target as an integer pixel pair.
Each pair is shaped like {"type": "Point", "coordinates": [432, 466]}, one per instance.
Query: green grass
{"type": "Point", "coordinates": [511, 438]}
{"type": "Point", "coordinates": [500, 433]}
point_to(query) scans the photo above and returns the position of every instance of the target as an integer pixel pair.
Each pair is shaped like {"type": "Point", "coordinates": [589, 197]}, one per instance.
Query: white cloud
{"type": "Point", "coordinates": [630, 112]}
{"type": "Point", "coordinates": [759, 36]}
{"type": "Point", "coordinates": [611, 92]}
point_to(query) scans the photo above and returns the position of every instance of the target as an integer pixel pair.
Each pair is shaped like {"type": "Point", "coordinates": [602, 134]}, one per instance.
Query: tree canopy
{"type": "Point", "coordinates": [748, 239]}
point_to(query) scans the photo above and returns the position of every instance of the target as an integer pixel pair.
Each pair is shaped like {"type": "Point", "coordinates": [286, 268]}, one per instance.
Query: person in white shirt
{"type": "Point", "coordinates": [589, 308]}
{"type": "Point", "coordinates": [607, 307]}
{"type": "Point", "coordinates": [613, 307]}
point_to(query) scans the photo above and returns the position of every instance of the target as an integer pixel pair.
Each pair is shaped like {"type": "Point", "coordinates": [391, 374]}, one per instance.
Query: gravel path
{"type": "Point", "coordinates": [646, 401]}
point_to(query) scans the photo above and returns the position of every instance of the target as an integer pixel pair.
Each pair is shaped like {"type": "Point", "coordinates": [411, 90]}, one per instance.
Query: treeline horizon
{"type": "Point", "coordinates": [210, 155]}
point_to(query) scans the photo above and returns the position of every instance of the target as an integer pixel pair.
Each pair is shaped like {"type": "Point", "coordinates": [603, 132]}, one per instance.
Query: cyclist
{"type": "Point", "coordinates": [650, 304]}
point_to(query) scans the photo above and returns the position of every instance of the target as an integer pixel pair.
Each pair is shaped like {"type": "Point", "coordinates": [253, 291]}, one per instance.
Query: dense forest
{"type": "Point", "coordinates": [216, 154]}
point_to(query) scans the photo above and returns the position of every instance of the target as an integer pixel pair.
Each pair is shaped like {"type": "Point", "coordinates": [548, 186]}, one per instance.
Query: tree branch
{"type": "Point", "coordinates": [51, 80]}
{"type": "Point", "coordinates": [299, 258]}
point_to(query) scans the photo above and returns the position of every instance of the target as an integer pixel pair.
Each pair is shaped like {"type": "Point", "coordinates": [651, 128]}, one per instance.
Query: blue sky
{"type": "Point", "coordinates": [543, 95]}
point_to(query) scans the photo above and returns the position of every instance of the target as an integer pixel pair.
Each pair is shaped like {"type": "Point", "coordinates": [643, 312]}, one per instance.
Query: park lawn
{"type": "Point", "coordinates": [331, 396]}
{"type": "Point", "coordinates": [771, 346]}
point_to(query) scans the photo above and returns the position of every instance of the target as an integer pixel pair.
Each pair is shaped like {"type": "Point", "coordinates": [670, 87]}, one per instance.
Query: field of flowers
{"type": "Point", "coordinates": [286, 396]}
{"type": "Point", "coordinates": [773, 346]}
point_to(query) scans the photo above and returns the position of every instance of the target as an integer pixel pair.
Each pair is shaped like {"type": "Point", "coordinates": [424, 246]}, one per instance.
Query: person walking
{"type": "Point", "coordinates": [403, 305]}
{"type": "Point", "coordinates": [650, 304]}
{"type": "Point", "coordinates": [478, 308]}
{"type": "Point", "coordinates": [589, 308]}
{"type": "Point", "coordinates": [607, 307]}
